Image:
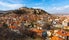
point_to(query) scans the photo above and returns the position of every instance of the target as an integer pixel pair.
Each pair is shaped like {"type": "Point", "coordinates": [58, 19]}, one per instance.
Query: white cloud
{"type": "Point", "coordinates": [61, 8]}
{"type": "Point", "coordinates": [9, 6]}
{"type": "Point", "coordinates": [12, 1]}
{"type": "Point", "coordinates": [37, 7]}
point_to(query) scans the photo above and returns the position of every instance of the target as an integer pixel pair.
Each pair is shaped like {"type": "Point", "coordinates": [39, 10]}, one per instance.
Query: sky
{"type": "Point", "coordinates": [51, 6]}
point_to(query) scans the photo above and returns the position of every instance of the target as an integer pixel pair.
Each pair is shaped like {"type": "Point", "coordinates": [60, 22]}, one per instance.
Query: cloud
{"type": "Point", "coordinates": [37, 7]}
{"type": "Point", "coordinates": [12, 1]}
{"type": "Point", "coordinates": [9, 6]}
{"type": "Point", "coordinates": [61, 8]}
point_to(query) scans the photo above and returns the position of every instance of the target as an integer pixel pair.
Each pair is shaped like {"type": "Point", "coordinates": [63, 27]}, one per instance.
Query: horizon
{"type": "Point", "coordinates": [51, 6]}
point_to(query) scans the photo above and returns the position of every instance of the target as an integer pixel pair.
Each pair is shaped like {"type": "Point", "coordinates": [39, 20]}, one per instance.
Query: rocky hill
{"type": "Point", "coordinates": [22, 20]}
{"type": "Point", "coordinates": [25, 10]}
{"type": "Point", "coordinates": [30, 14]}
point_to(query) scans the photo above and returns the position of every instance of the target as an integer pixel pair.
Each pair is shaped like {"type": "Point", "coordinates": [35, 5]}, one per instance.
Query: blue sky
{"type": "Point", "coordinates": [51, 6]}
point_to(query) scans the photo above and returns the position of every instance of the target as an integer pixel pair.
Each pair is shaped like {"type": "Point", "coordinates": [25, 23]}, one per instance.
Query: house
{"type": "Point", "coordinates": [65, 22]}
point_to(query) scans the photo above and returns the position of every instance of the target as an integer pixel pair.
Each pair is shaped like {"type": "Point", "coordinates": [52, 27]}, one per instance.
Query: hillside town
{"type": "Point", "coordinates": [33, 24]}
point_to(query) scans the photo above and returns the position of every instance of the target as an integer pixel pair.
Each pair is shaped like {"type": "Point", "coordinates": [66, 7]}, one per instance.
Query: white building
{"type": "Point", "coordinates": [65, 22]}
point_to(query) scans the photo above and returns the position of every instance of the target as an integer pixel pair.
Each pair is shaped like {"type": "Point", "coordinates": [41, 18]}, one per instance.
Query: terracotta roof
{"type": "Point", "coordinates": [63, 33]}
